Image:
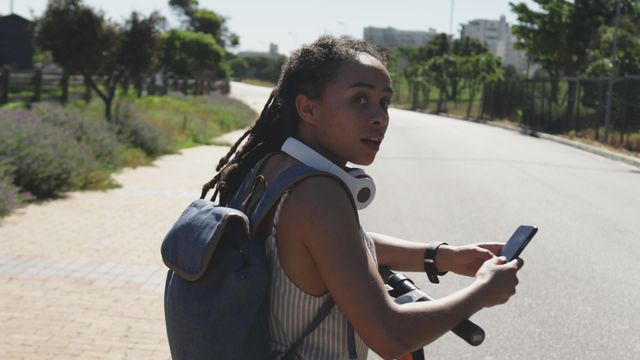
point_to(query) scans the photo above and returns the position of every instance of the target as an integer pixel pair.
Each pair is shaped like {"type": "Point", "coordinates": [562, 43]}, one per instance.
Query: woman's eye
{"type": "Point", "coordinates": [385, 103]}
{"type": "Point", "coordinates": [361, 100]}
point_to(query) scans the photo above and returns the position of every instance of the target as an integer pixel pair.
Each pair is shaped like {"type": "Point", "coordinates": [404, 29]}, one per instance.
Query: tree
{"type": "Point", "coordinates": [463, 49]}
{"type": "Point", "coordinates": [82, 41]}
{"type": "Point", "coordinates": [480, 69]}
{"type": "Point", "coordinates": [415, 74]}
{"type": "Point", "coordinates": [72, 33]}
{"type": "Point", "coordinates": [194, 55]}
{"type": "Point", "coordinates": [628, 53]}
{"type": "Point", "coordinates": [439, 71]}
{"type": "Point", "coordinates": [239, 67]}
{"type": "Point", "coordinates": [139, 52]}
{"type": "Point", "coordinates": [260, 67]}
{"type": "Point", "coordinates": [561, 34]}
{"type": "Point", "coordinates": [206, 21]}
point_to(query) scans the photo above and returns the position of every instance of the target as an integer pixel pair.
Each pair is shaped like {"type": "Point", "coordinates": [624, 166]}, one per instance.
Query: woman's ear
{"type": "Point", "coordinates": [306, 109]}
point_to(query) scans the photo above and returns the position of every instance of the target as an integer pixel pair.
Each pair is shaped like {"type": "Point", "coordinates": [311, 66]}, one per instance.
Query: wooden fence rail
{"type": "Point", "coordinates": [33, 86]}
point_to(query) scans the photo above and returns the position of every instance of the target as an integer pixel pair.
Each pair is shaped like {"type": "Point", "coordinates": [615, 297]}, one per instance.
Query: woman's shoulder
{"type": "Point", "coordinates": [322, 199]}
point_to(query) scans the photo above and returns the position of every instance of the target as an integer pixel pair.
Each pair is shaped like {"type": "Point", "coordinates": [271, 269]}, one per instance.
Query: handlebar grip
{"type": "Point", "coordinates": [466, 330]}
{"type": "Point", "coordinates": [469, 332]}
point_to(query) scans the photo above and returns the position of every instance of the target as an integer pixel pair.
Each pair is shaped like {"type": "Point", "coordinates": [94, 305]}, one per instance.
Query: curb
{"type": "Point", "coordinates": [630, 160]}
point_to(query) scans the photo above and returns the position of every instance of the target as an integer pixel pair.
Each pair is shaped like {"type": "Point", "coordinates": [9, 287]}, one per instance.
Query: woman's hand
{"type": "Point", "coordinates": [497, 280]}
{"type": "Point", "coordinates": [467, 259]}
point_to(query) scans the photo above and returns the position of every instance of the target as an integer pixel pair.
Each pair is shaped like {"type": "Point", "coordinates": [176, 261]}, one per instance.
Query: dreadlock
{"type": "Point", "coordinates": [307, 72]}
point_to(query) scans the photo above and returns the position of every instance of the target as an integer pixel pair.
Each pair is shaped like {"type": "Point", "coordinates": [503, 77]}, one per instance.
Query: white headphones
{"type": "Point", "coordinates": [362, 187]}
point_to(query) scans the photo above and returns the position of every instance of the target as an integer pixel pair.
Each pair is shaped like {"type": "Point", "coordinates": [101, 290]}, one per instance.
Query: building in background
{"type": "Point", "coordinates": [497, 35]}
{"type": "Point", "coordinates": [16, 49]}
{"type": "Point", "coordinates": [392, 39]}
{"type": "Point", "coordinates": [273, 52]}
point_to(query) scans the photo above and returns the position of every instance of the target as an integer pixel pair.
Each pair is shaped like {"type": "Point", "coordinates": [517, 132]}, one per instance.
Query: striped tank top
{"type": "Point", "coordinates": [292, 310]}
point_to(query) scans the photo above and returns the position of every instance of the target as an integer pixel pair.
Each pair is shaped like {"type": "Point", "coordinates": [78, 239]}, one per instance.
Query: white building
{"type": "Point", "coordinates": [497, 35]}
{"type": "Point", "coordinates": [392, 39]}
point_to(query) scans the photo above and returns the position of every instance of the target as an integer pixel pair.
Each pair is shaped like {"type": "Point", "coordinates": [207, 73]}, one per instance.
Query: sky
{"type": "Point", "coordinates": [291, 23]}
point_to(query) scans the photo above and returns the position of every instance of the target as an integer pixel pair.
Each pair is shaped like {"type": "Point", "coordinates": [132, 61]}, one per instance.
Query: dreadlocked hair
{"type": "Point", "coordinates": [307, 72]}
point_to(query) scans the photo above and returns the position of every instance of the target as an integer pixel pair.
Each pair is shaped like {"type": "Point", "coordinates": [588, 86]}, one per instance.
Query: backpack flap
{"type": "Point", "coordinates": [190, 244]}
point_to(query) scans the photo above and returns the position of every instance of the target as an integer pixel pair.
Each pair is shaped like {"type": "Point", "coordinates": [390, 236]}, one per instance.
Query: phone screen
{"type": "Point", "coordinates": [518, 241]}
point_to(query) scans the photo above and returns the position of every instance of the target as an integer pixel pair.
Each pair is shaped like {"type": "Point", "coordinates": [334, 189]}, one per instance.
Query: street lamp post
{"type": "Point", "coordinates": [451, 20]}
{"type": "Point", "coordinates": [607, 113]}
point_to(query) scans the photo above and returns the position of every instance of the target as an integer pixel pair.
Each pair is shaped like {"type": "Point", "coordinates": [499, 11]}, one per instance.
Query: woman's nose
{"type": "Point", "coordinates": [380, 118]}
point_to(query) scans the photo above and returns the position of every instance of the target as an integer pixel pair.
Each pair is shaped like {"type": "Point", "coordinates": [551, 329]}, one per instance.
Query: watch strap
{"type": "Point", "coordinates": [430, 267]}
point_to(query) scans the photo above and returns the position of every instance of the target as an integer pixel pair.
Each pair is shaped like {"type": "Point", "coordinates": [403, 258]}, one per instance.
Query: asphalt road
{"type": "Point", "coordinates": [441, 179]}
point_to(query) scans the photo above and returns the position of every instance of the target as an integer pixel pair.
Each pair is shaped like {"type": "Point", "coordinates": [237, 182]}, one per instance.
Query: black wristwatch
{"type": "Point", "coordinates": [430, 262]}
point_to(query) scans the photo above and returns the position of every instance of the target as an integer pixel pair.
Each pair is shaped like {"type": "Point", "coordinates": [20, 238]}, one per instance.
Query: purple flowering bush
{"type": "Point", "coordinates": [94, 133]}
{"type": "Point", "coordinates": [8, 191]}
{"type": "Point", "coordinates": [43, 159]}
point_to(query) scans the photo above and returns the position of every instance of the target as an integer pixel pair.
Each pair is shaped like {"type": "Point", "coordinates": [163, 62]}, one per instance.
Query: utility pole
{"type": "Point", "coordinates": [451, 20]}
{"type": "Point", "coordinates": [11, 7]}
{"type": "Point", "coordinates": [612, 74]}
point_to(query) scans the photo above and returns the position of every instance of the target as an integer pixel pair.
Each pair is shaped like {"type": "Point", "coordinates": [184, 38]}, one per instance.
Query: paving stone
{"type": "Point", "coordinates": [82, 276]}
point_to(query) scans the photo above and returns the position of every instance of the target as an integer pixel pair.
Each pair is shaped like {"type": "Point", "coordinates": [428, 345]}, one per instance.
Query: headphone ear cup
{"type": "Point", "coordinates": [361, 185]}
{"type": "Point", "coordinates": [365, 187]}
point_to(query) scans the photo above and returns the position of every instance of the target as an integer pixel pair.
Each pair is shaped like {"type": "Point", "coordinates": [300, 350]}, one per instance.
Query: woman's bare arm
{"type": "Point", "coordinates": [403, 255]}
{"type": "Point", "coordinates": [319, 212]}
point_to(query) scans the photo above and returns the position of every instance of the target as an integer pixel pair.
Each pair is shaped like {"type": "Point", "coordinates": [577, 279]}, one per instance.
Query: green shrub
{"type": "Point", "coordinates": [132, 157]}
{"type": "Point", "coordinates": [193, 120]}
{"type": "Point", "coordinates": [138, 133]}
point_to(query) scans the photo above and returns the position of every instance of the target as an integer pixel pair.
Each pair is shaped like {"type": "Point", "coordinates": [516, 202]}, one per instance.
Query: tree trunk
{"type": "Point", "coordinates": [107, 108]}
{"type": "Point", "coordinates": [441, 98]}
{"type": "Point", "coordinates": [414, 96]}
{"type": "Point", "coordinates": [125, 86]}
{"type": "Point", "coordinates": [37, 86]}
{"type": "Point", "coordinates": [425, 96]}
{"type": "Point", "coordinates": [165, 84]}
{"type": "Point", "coordinates": [485, 89]}
{"type": "Point", "coordinates": [64, 85]}
{"type": "Point", "coordinates": [185, 85]}
{"type": "Point", "coordinates": [139, 85]}
{"type": "Point", "coordinates": [472, 94]}
{"type": "Point", "coordinates": [87, 90]}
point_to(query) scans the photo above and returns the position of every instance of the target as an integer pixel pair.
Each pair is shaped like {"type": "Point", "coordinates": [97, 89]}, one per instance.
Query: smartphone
{"type": "Point", "coordinates": [518, 241]}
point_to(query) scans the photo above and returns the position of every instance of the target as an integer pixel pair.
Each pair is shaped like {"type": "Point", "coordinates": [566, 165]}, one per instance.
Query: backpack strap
{"type": "Point", "coordinates": [324, 311]}
{"type": "Point", "coordinates": [272, 194]}
{"type": "Point", "coordinates": [351, 342]}
{"type": "Point", "coordinates": [284, 182]}
{"type": "Point", "coordinates": [247, 182]}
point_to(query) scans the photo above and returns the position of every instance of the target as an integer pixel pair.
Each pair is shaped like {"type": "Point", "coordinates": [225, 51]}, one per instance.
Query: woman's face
{"type": "Point", "coordinates": [349, 121]}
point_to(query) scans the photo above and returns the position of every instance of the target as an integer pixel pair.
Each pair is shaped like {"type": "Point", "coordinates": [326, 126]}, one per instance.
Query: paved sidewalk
{"type": "Point", "coordinates": [82, 277]}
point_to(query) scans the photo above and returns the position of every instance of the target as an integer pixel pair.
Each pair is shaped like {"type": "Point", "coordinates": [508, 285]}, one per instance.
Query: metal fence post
{"type": "Point", "coordinates": [4, 86]}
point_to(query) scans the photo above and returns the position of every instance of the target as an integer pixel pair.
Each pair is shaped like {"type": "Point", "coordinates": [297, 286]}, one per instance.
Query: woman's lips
{"type": "Point", "coordinates": [372, 143]}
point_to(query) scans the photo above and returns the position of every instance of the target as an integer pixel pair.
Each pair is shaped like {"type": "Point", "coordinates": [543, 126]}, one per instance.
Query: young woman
{"type": "Point", "coordinates": [333, 96]}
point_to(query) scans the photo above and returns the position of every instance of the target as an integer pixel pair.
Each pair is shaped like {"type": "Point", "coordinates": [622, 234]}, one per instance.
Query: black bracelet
{"type": "Point", "coordinates": [430, 262]}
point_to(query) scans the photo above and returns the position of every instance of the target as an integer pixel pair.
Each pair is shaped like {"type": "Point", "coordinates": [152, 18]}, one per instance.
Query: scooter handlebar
{"type": "Point", "coordinates": [403, 287]}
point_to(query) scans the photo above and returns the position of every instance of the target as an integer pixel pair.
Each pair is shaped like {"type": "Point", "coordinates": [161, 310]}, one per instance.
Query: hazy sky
{"type": "Point", "coordinates": [290, 23]}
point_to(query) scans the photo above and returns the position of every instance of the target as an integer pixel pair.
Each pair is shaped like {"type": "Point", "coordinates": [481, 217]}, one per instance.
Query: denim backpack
{"type": "Point", "coordinates": [215, 300]}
